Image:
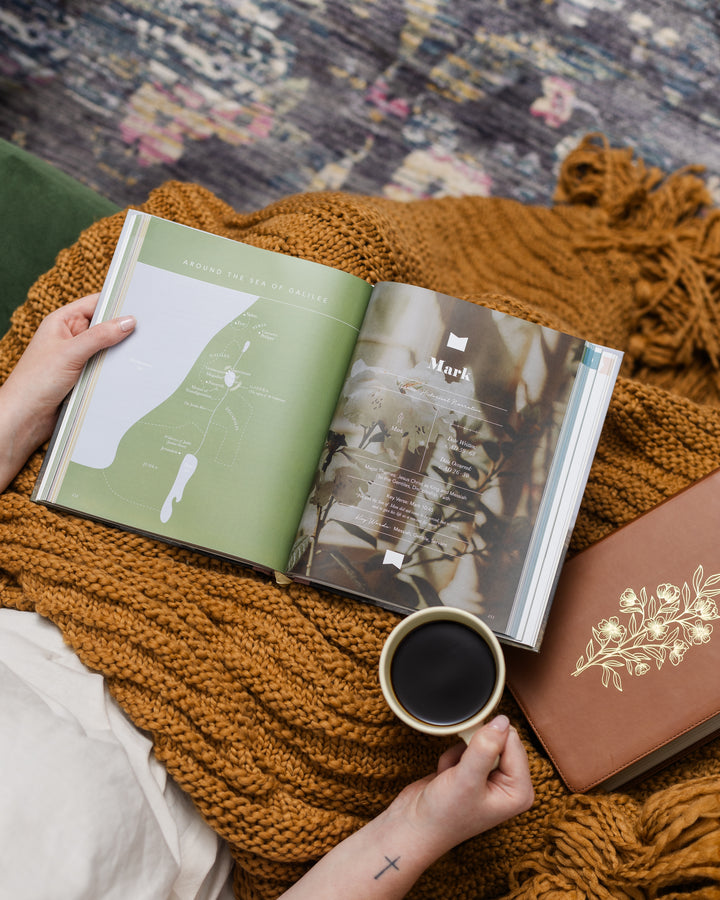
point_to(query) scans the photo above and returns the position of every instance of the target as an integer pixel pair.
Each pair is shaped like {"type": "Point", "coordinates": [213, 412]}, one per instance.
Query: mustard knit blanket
{"type": "Point", "coordinates": [263, 701]}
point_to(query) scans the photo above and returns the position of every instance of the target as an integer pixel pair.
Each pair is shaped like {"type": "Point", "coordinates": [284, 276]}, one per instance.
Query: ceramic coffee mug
{"type": "Point", "coordinates": [442, 671]}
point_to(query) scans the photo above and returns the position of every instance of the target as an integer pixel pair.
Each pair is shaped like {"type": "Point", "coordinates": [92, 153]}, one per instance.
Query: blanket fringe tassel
{"type": "Point", "coordinates": [609, 848]}
{"type": "Point", "coordinates": [668, 223]}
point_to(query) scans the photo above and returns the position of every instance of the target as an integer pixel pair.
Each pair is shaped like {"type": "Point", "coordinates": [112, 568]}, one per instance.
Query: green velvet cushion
{"type": "Point", "coordinates": [42, 210]}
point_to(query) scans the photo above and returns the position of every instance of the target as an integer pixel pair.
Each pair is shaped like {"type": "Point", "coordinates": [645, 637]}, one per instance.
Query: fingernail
{"type": "Point", "coordinates": [127, 323]}
{"type": "Point", "coordinates": [500, 722]}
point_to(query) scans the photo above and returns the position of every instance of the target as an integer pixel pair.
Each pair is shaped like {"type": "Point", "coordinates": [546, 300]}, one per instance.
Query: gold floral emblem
{"type": "Point", "coordinates": [659, 628]}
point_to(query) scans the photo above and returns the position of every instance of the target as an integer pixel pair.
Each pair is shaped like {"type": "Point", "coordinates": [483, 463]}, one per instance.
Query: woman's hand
{"type": "Point", "coordinates": [45, 374]}
{"type": "Point", "coordinates": [465, 796]}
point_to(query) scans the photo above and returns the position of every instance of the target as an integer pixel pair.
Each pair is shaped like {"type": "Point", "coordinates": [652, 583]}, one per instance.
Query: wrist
{"type": "Point", "coordinates": [22, 432]}
{"type": "Point", "coordinates": [422, 842]}
{"type": "Point", "coordinates": [381, 861]}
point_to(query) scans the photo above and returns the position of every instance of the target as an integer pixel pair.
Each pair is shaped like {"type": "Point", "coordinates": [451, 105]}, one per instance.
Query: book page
{"type": "Point", "coordinates": [440, 449]}
{"type": "Point", "coordinates": [205, 426]}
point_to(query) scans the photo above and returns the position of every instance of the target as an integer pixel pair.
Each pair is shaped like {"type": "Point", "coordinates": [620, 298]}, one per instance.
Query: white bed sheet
{"type": "Point", "coordinates": [86, 811]}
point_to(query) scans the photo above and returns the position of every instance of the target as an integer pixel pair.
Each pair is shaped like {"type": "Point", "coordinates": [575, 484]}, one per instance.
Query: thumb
{"type": "Point", "coordinates": [104, 334]}
{"type": "Point", "coordinates": [488, 743]}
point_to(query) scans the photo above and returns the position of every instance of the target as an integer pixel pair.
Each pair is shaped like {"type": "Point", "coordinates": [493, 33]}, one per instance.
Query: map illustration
{"type": "Point", "coordinates": [219, 452]}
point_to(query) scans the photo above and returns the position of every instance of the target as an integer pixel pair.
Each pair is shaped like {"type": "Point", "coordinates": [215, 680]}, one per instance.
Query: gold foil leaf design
{"type": "Point", "coordinates": [652, 629]}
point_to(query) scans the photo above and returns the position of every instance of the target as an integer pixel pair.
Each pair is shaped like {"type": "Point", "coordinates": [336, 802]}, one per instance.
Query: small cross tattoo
{"type": "Point", "coordinates": [390, 865]}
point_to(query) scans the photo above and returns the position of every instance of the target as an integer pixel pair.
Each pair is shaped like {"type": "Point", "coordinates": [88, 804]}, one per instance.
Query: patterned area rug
{"type": "Point", "coordinates": [257, 99]}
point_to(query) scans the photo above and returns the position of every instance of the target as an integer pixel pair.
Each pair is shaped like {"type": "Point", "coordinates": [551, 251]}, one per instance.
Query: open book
{"type": "Point", "coordinates": [386, 442]}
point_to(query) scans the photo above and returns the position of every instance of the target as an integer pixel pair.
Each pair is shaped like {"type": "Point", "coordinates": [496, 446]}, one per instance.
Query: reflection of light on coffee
{"type": "Point", "coordinates": [443, 672]}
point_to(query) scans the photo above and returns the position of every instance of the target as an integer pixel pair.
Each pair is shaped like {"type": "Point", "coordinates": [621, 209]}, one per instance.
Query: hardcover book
{"type": "Point", "coordinates": [627, 675]}
{"type": "Point", "coordinates": [386, 442]}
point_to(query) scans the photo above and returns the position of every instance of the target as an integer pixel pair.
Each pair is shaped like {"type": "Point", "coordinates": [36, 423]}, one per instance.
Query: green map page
{"type": "Point", "coordinates": [225, 462]}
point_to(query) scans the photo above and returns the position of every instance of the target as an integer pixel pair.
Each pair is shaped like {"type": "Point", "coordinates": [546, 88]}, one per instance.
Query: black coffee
{"type": "Point", "coordinates": [443, 672]}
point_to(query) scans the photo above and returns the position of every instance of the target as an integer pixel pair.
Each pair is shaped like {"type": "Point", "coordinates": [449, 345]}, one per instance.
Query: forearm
{"type": "Point", "coordinates": [20, 434]}
{"type": "Point", "coordinates": [381, 861]}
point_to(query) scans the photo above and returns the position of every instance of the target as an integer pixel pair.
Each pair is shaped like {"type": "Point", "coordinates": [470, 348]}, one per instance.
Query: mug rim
{"type": "Point", "coordinates": [451, 614]}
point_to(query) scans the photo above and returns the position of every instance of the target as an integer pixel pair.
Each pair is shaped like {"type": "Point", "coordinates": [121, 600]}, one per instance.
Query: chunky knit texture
{"type": "Point", "coordinates": [263, 701]}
